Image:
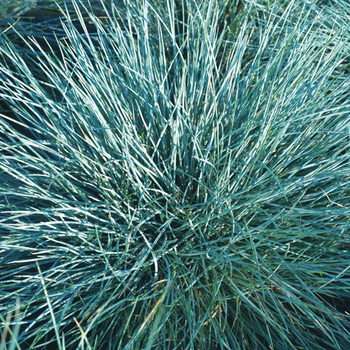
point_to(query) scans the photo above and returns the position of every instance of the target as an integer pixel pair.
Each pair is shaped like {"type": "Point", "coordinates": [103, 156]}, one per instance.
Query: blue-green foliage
{"type": "Point", "coordinates": [179, 178]}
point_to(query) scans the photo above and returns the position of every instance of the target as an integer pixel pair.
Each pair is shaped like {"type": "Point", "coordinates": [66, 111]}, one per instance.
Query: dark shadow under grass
{"type": "Point", "coordinates": [183, 180]}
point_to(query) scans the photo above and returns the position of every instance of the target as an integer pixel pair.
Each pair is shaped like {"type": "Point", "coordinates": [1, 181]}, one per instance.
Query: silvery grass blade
{"type": "Point", "coordinates": [175, 180]}
{"type": "Point", "coordinates": [10, 329]}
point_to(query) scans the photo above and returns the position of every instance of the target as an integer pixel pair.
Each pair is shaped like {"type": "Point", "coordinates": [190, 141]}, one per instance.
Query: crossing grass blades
{"type": "Point", "coordinates": [178, 178]}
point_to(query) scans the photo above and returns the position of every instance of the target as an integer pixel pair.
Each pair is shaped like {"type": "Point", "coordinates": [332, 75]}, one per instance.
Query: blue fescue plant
{"type": "Point", "coordinates": [179, 178]}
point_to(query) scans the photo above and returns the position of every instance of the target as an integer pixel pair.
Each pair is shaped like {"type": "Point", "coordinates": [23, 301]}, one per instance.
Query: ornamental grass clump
{"type": "Point", "coordinates": [179, 178]}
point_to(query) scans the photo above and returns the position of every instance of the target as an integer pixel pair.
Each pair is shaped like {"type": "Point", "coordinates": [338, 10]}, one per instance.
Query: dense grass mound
{"type": "Point", "coordinates": [179, 179]}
